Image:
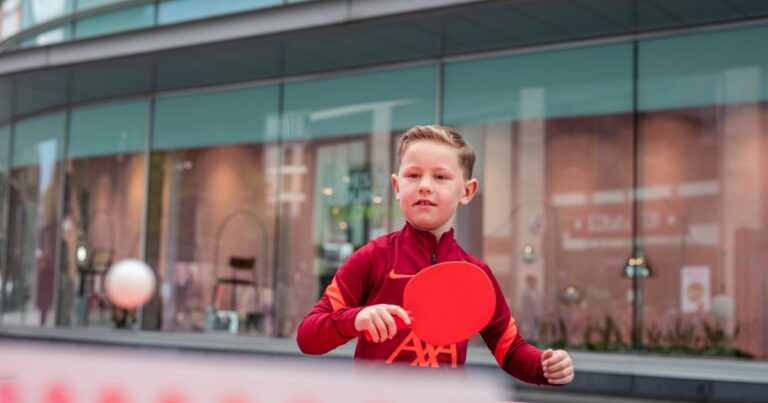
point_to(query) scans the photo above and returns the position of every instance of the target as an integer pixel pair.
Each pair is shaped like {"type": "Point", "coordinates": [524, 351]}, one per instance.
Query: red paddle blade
{"type": "Point", "coordinates": [453, 301]}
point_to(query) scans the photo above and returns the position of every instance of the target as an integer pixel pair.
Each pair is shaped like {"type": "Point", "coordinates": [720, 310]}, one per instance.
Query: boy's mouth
{"type": "Point", "coordinates": [424, 203]}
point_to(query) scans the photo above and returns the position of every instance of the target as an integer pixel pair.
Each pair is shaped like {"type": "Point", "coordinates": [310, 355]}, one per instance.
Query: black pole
{"type": "Point", "coordinates": [637, 248]}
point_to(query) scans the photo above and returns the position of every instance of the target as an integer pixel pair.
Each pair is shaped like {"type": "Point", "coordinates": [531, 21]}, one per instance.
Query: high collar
{"type": "Point", "coordinates": [426, 242]}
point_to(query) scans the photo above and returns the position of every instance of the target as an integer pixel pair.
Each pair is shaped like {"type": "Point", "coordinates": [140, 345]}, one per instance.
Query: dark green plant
{"type": "Point", "coordinates": [605, 337]}
{"type": "Point", "coordinates": [686, 338]}
{"type": "Point", "coordinates": [554, 333]}
{"type": "Point", "coordinates": [563, 333]}
{"type": "Point", "coordinates": [717, 337]}
{"type": "Point", "coordinates": [654, 334]}
{"type": "Point", "coordinates": [682, 335]}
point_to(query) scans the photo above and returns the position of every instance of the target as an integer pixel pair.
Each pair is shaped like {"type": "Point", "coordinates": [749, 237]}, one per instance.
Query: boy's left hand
{"type": "Point", "coordinates": [558, 366]}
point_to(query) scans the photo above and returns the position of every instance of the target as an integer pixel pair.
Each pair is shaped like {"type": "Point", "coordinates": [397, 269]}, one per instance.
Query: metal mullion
{"type": "Point", "coordinates": [5, 227]}
{"type": "Point", "coordinates": [147, 188]}
{"type": "Point", "coordinates": [57, 250]}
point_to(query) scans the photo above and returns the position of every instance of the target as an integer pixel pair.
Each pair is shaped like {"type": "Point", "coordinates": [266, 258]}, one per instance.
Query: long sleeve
{"type": "Point", "coordinates": [324, 329]}
{"type": "Point", "coordinates": [512, 352]}
{"type": "Point", "coordinates": [521, 360]}
{"type": "Point", "coordinates": [331, 322]}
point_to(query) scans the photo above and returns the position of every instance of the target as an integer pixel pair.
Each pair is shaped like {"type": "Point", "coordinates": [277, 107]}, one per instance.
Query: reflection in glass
{"type": "Point", "coordinates": [103, 202]}
{"type": "Point", "coordinates": [552, 217]}
{"type": "Point", "coordinates": [254, 204]}
{"type": "Point", "coordinates": [343, 204]}
{"type": "Point", "coordinates": [703, 195]}
{"type": "Point", "coordinates": [117, 21]}
{"type": "Point", "coordinates": [34, 188]}
{"type": "Point", "coordinates": [554, 225]}
{"type": "Point", "coordinates": [704, 192]}
{"type": "Point", "coordinates": [217, 225]}
{"type": "Point", "coordinates": [173, 11]}
{"type": "Point", "coordinates": [38, 11]}
{"type": "Point", "coordinates": [50, 37]}
{"type": "Point", "coordinates": [212, 212]}
{"type": "Point", "coordinates": [85, 4]}
{"type": "Point", "coordinates": [10, 15]}
{"type": "Point", "coordinates": [338, 159]}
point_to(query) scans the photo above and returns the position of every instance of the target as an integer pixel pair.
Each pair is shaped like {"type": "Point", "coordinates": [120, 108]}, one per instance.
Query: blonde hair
{"type": "Point", "coordinates": [442, 135]}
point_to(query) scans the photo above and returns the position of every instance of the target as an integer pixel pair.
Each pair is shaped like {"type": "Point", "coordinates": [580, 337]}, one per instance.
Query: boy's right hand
{"type": "Point", "coordinates": [378, 321]}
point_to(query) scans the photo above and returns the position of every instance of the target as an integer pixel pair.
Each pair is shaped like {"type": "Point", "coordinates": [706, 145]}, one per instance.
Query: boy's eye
{"type": "Point", "coordinates": [441, 177]}
{"type": "Point", "coordinates": [413, 176]}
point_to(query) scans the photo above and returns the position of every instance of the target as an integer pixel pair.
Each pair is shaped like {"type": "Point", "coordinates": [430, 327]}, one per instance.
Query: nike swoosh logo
{"type": "Point", "coordinates": [395, 276]}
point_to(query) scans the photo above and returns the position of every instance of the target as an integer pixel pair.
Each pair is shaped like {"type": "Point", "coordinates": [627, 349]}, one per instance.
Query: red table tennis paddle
{"type": "Point", "coordinates": [448, 302]}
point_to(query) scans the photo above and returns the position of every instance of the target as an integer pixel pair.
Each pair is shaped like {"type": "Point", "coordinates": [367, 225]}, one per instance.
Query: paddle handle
{"type": "Point", "coordinates": [398, 322]}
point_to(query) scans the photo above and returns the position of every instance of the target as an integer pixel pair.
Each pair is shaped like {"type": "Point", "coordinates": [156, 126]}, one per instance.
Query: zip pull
{"type": "Point", "coordinates": [434, 258]}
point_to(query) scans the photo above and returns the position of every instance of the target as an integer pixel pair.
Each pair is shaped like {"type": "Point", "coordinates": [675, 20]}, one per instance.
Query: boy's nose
{"type": "Point", "coordinates": [425, 186]}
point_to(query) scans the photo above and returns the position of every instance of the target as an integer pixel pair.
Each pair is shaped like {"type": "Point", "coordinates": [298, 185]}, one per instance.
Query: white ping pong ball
{"type": "Point", "coordinates": [130, 283]}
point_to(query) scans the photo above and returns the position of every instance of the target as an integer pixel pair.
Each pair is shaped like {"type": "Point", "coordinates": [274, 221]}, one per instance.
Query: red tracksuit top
{"type": "Point", "coordinates": [364, 280]}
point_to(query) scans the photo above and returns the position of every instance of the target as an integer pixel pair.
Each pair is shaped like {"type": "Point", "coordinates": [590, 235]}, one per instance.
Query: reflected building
{"type": "Point", "coordinates": [244, 150]}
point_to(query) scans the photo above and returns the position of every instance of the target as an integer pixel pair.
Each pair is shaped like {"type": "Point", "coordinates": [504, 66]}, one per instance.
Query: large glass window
{"type": "Point", "coordinates": [10, 18]}
{"type": "Point", "coordinates": [583, 188]}
{"type": "Point", "coordinates": [704, 175]}
{"type": "Point", "coordinates": [116, 21]}
{"type": "Point", "coordinates": [86, 4]}
{"type": "Point", "coordinates": [553, 214]}
{"type": "Point", "coordinates": [591, 160]}
{"type": "Point", "coordinates": [52, 36]}
{"type": "Point", "coordinates": [336, 163]}
{"type": "Point", "coordinates": [103, 204]}
{"type": "Point", "coordinates": [36, 12]}
{"type": "Point", "coordinates": [29, 294]}
{"type": "Point", "coordinates": [212, 211]}
{"type": "Point", "coordinates": [173, 11]}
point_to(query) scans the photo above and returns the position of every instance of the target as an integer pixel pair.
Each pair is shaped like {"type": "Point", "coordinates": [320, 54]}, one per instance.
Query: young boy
{"type": "Point", "coordinates": [434, 177]}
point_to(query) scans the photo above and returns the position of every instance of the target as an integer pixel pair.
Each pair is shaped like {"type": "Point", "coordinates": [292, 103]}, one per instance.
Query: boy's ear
{"type": "Point", "coordinates": [470, 188]}
{"type": "Point", "coordinates": [396, 187]}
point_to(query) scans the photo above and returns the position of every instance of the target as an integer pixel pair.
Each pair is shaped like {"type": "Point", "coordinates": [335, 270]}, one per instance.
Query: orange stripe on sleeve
{"type": "Point", "coordinates": [334, 295]}
{"type": "Point", "coordinates": [505, 341]}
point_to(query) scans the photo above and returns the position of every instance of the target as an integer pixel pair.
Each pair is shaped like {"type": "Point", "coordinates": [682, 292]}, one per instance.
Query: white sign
{"type": "Point", "coordinates": [695, 289]}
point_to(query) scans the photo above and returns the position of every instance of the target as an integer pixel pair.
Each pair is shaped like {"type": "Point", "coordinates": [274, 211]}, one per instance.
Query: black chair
{"type": "Point", "coordinates": [242, 273]}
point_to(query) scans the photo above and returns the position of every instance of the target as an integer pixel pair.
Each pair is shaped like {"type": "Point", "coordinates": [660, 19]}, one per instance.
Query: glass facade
{"type": "Point", "coordinates": [10, 18]}
{"type": "Point", "coordinates": [553, 216]}
{"type": "Point", "coordinates": [703, 150]}
{"type": "Point", "coordinates": [211, 215]}
{"type": "Point", "coordinates": [173, 11]}
{"type": "Point", "coordinates": [337, 162]}
{"type": "Point", "coordinates": [597, 165]}
{"type": "Point", "coordinates": [121, 20]}
{"type": "Point", "coordinates": [103, 203]}
{"type": "Point", "coordinates": [35, 179]}
{"type": "Point", "coordinates": [21, 21]}
{"type": "Point", "coordinates": [34, 12]}
{"type": "Point", "coordinates": [52, 36]}
{"type": "Point", "coordinates": [86, 4]}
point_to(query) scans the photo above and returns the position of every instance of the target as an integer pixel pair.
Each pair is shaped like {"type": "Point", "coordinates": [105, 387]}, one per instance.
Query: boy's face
{"type": "Point", "coordinates": [430, 185]}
